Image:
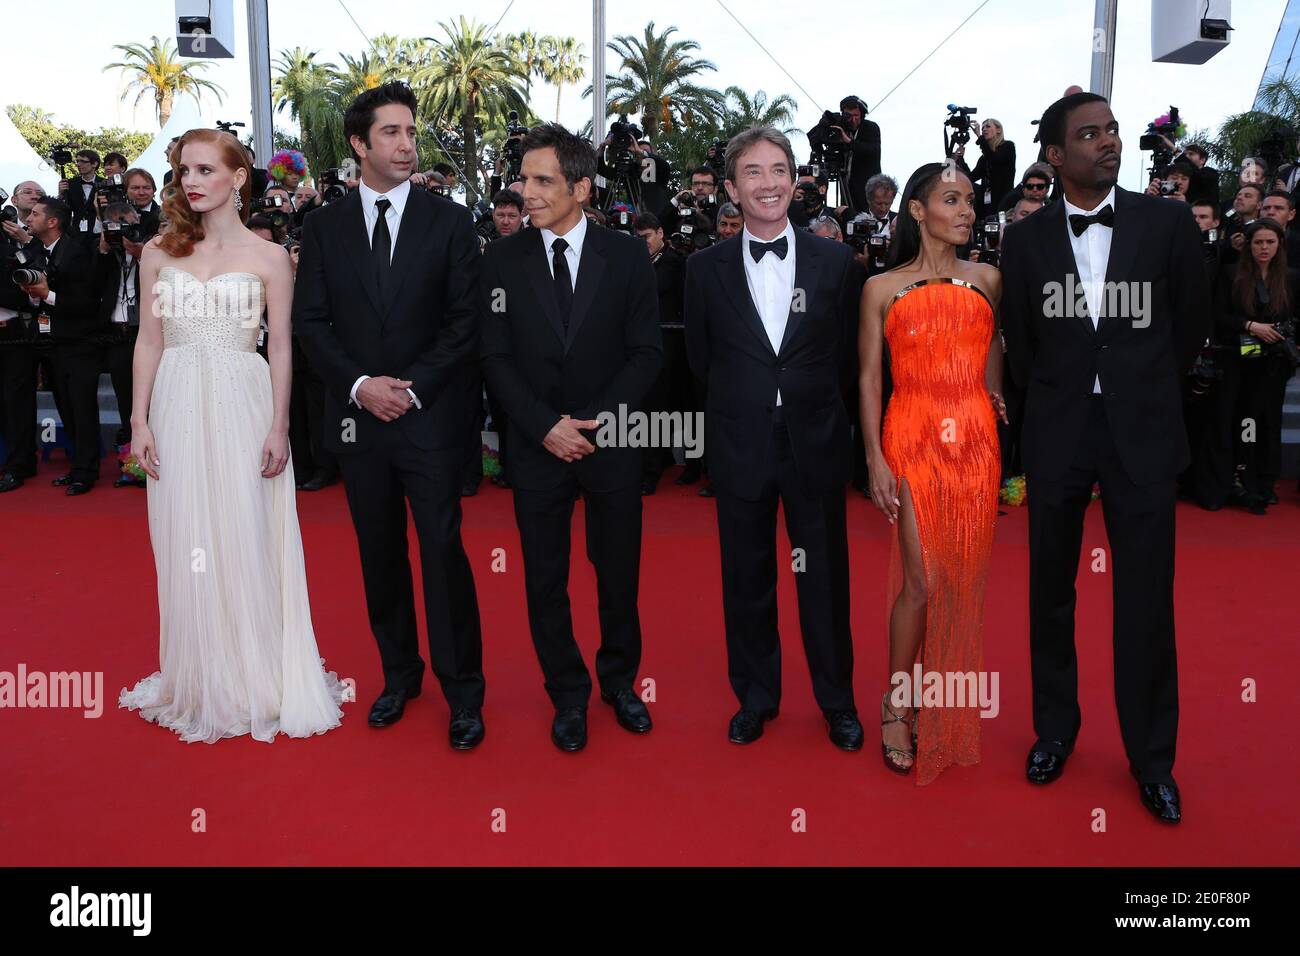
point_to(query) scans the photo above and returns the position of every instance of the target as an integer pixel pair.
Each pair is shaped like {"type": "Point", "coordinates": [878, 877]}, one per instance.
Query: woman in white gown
{"type": "Point", "coordinates": [210, 428]}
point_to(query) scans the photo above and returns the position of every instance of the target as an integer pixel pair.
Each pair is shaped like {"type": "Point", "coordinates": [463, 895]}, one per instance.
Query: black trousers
{"type": "Point", "coordinates": [76, 374]}
{"type": "Point", "coordinates": [672, 391]}
{"type": "Point", "coordinates": [379, 483]}
{"type": "Point", "coordinates": [306, 410]}
{"type": "Point", "coordinates": [747, 538]}
{"type": "Point", "coordinates": [1140, 531]}
{"type": "Point", "coordinates": [1262, 394]}
{"type": "Point", "coordinates": [471, 474]}
{"type": "Point", "coordinates": [18, 381]}
{"type": "Point", "coordinates": [118, 356]}
{"type": "Point", "coordinates": [614, 550]}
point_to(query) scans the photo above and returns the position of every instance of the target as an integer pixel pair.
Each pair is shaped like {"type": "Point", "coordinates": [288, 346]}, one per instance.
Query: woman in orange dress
{"type": "Point", "coordinates": [934, 471]}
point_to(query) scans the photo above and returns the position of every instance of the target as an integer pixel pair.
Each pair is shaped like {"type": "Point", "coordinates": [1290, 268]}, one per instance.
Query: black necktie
{"type": "Point", "coordinates": [757, 249]}
{"type": "Point", "coordinates": [563, 281]}
{"type": "Point", "coordinates": [1105, 216]}
{"type": "Point", "coordinates": [381, 243]}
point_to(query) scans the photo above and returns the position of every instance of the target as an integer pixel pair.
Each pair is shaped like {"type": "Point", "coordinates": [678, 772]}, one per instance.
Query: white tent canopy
{"type": "Point", "coordinates": [19, 162]}
{"type": "Point", "coordinates": [185, 116]}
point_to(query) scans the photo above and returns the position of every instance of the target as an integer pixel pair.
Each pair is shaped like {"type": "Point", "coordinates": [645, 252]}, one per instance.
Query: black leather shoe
{"type": "Point", "coordinates": [1042, 766]}
{"type": "Point", "coordinates": [316, 483]}
{"type": "Point", "coordinates": [126, 481]}
{"type": "Point", "coordinates": [845, 729]}
{"type": "Point", "coordinates": [388, 708]}
{"type": "Point", "coordinates": [63, 479]}
{"type": "Point", "coordinates": [78, 488]}
{"type": "Point", "coordinates": [747, 725]}
{"type": "Point", "coordinates": [9, 482]}
{"type": "Point", "coordinates": [1270, 499]}
{"type": "Point", "coordinates": [466, 730]}
{"type": "Point", "coordinates": [569, 730]}
{"type": "Point", "coordinates": [632, 714]}
{"type": "Point", "coordinates": [1162, 800]}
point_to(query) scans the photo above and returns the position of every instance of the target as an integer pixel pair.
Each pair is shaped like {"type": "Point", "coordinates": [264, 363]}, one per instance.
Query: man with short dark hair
{"type": "Point", "coordinates": [571, 336]}
{"type": "Point", "coordinates": [863, 138]}
{"type": "Point", "coordinates": [79, 194]}
{"type": "Point", "coordinates": [384, 305]}
{"type": "Point", "coordinates": [64, 300]}
{"type": "Point", "coordinates": [507, 212]}
{"type": "Point", "coordinates": [1103, 405]}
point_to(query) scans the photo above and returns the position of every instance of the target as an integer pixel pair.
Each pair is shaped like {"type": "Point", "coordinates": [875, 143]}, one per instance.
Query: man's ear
{"type": "Point", "coordinates": [582, 190]}
{"type": "Point", "coordinates": [1055, 157]}
{"type": "Point", "coordinates": [731, 191]}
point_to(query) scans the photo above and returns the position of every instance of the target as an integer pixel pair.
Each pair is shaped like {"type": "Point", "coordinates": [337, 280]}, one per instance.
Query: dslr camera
{"type": "Point", "coordinates": [115, 232]}
{"type": "Point", "coordinates": [274, 208]}
{"type": "Point", "coordinates": [28, 264]}
{"type": "Point", "coordinates": [334, 182]}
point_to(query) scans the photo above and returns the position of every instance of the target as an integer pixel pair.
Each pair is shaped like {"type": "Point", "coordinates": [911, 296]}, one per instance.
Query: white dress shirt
{"type": "Point", "coordinates": [397, 196]}
{"type": "Point", "coordinates": [1091, 257]}
{"type": "Point", "coordinates": [771, 285]}
{"type": "Point", "coordinates": [573, 255]}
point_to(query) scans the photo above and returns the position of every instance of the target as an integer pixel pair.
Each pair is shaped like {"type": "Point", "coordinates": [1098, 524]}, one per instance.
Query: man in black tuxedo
{"type": "Point", "coordinates": [770, 325]}
{"type": "Point", "coordinates": [65, 301]}
{"type": "Point", "coordinates": [571, 334]}
{"type": "Point", "coordinates": [80, 194]}
{"type": "Point", "coordinates": [1104, 307]}
{"type": "Point", "coordinates": [384, 307]}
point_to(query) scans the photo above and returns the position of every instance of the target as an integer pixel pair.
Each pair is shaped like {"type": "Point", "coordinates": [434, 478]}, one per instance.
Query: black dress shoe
{"type": "Point", "coordinates": [9, 482]}
{"type": "Point", "coordinates": [845, 729]}
{"type": "Point", "coordinates": [706, 491]}
{"type": "Point", "coordinates": [1270, 499]}
{"type": "Point", "coordinates": [466, 729]}
{"type": "Point", "coordinates": [747, 725]}
{"type": "Point", "coordinates": [78, 488]}
{"type": "Point", "coordinates": [63, 479]}
{"type": "Point", "coordinates": [569, 730]}
{"type": "Point", "coordinates": [1043, 766]}
{"type": "Point", "coordinates": [127, 481]}
{"type": "Point", "coordinates": [389, 706]}
{"type": "Point", "coordinates": [631, 713]}
{"type": "Point", "coordinates": [1162, 800]}
{"type": "Point", "coordinates": [500, 481]}
{"type": "Point", "coordinates": [316, 482]}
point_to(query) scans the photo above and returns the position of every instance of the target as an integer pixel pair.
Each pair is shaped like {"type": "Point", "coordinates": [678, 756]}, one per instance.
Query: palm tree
{"type": "Point", "coordinates": [660, 82]}
{"type": "Point", "coordinates": [363, 73]}
{"type": "Point", "coordinates": [530, 50]}
{"type": "Point", "coordinates": [155, 69]}
{"type": "Point", "coordinates": [471, 79]}
{"type": "Point", "coordinates": [562, 64]}
{"type": "Point", "coordinates": [307, 88]}
{"type": "Point", "coordinates": [744, 111]}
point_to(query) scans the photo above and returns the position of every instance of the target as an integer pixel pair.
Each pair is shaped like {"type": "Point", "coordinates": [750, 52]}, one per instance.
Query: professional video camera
{"type": "Point", "coordinates": [625, 185]}
{"type": "Point", "coordinates": [228, 126]}
{"type": "Point", "coordinates": [333, 182]}
{"type": "Point", "coordinates": [827, 148]}
{"type": "Point", "coordinates": [28, 264]}
{"type": "Point", "coordinates": [1169, 126]}
{"type": "Point", "coordinates": [959, 122]}
{"type": "Point", "coordinates": [512, 150]}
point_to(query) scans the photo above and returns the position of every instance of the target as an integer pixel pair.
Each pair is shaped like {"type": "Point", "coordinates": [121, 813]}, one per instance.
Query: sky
{"type": "Point", "coordinates": [1010, 60]}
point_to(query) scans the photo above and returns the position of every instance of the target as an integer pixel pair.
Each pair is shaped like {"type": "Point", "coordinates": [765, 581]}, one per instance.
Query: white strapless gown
{"type": "Point", "coordinates": [237, 650]}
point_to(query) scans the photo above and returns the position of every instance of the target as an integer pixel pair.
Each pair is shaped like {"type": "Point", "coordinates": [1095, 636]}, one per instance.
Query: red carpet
{"type": "Point", "coordinates": [77, 593]}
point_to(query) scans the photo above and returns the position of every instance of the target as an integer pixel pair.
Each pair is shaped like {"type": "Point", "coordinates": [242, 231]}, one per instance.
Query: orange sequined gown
{"type": "Point", "coordinates": [940, 437]}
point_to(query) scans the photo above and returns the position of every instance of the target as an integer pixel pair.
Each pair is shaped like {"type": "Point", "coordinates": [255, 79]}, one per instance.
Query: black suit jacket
{"type": "Point", "coordinates": [1141, 360]}
{"type": "Point", "coordinates": [670, 278]}
{"type": "Point", "coordinates": [425, 329]}
{"type": "Point", "coordinates": [83, 209]}
{"type": "Point", "coordinates": [74, 317]}
{"type": "Point", "coordinates": [108, 284]}
{"type": "Point", "coordinates": [610, 357]}
{"type": "Point", "coordinates": [730, 352]}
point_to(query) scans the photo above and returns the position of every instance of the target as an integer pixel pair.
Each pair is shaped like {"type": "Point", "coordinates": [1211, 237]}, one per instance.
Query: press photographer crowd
{"type": "Point", "coordinates": [70, 292]}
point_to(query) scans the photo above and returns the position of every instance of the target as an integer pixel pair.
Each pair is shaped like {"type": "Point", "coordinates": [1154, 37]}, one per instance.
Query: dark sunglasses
{"type": "Point", "coordinates": [1035, 186]}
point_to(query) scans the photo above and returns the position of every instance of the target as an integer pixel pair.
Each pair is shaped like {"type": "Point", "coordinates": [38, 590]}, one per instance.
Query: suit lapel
{"type": "Point", "coordinates": [356, 242]}
{"type": "Point", "coordinates": [1126, 235]}
{"type": "Point", "coordinates": [591, 269]}
{"type": "Point", "coordinates": [539, 276]}
{"type": "Point", "coordinates": [735, 287]}
{"type": "Point", "coordinates": [1061, 263]}
{"type": "Point", "coordinates": [807, 263]}
{"type": "Point", "coordinates": [417, 218]}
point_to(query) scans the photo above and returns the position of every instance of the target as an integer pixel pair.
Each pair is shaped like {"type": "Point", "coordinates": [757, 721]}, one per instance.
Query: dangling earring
{"type": "Point", "coordinates": [239, 201]}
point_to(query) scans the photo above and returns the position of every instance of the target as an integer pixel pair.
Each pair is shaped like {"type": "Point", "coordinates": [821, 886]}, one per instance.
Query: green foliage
{"type": "Point", "coordinates": [41, 130]}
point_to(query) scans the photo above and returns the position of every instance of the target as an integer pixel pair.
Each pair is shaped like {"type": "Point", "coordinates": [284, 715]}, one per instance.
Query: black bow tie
{"type": "Point", "coordinates": [757, 249]}
{"type": "Point", "coordinates": [1105, 216]}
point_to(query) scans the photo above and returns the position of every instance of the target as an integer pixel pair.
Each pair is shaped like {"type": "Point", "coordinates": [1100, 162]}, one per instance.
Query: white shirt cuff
{"type": "Point", "coordinates": [49, 299]}
{"type": "Point", "coordinates": [352, 395]}
{"type": "Point", "coordinates": [418, 406]}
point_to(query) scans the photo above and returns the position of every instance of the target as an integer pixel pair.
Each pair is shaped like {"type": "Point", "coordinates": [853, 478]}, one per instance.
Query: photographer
{"type": "Point", "coordinates": [1244, 211]}
{"type": "Point", "coordinates": [63, 297]}
{"type": "Point", "coordinates": [809, 198]}
{"type": "Point", "coordinates": [995, 171]}
{"type": "Point", "coordinates": [1035, 184]}
{"type": "Point", "coordinates": [671, 391]}
{"type": "Point", "coordinates": [731, 221]}
{"type": "Point", "coordinates": [627, 160]}
{"type": "Point", "coordinates": [79, 194]}
{"type": "Point", "coordinates": [18, 356]}
{"type": "Point", "coordinates": [1257, 308]}
{"type": "Point", "coordinates": [826, 227]}
{"type": "Point", "coordinates": [1175, 183]}
{"type": "Point", "coordinates": [1205, 178]}
{"type": "Point", "coordinates": [117, 279]}
{"type": "Point", "coordinates": [507, 213]}
{"type": "Point", "coordinates": [863, 138]}
{"type": "Point", "coordinates": [1280, 207]}
{"type": "Point", "coordinates": [141, 192]}
{"type": "Point", "coordinates": [701, 196]}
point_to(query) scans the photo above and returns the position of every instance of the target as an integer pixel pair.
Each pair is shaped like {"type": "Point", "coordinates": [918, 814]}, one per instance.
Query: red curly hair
{"type": "Point", "coordinates": [184, 225]}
